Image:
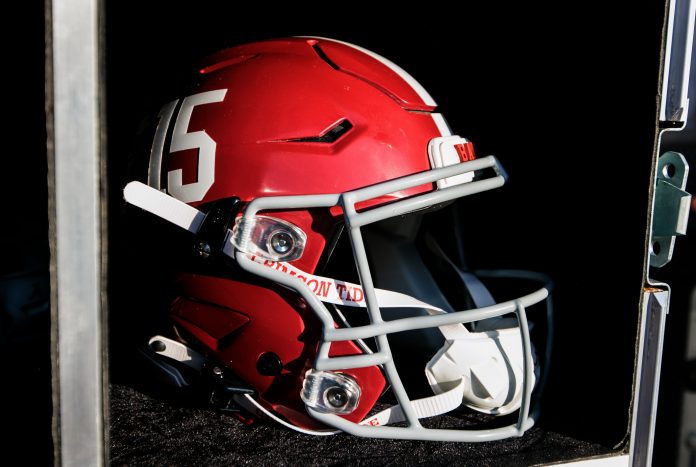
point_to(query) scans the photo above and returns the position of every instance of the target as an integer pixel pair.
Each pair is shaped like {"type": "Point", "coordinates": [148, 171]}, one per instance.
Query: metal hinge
{"type": "Point", "coordinates": [671, 211]}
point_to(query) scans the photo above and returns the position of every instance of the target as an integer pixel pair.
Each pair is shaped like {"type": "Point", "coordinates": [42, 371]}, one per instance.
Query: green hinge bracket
{"type": "Point", "coordinates": [671, 210]}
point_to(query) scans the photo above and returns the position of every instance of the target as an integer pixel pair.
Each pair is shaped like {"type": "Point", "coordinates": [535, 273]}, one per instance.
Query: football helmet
{"type": "Point", "coordinates": [319, 184]}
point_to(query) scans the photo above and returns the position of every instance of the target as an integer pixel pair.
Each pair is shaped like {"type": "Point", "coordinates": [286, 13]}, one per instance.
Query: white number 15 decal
{"type": "Point", "coordinates": [182, 140]}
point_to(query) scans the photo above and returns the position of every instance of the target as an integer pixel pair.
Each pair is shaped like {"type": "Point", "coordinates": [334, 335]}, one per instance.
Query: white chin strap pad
{"type": "Point", "coordinates": [489, 363]}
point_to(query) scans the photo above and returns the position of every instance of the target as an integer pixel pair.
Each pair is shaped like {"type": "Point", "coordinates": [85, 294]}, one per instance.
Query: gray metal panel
{"type": "Point", "coordinates": [687, 437]}
{"type": "Point", "coordinates": [652, 327]}
{"type": "Point", "coordinates": [76, 251]}
{"type": "Point", "coordinates": [674, 104]}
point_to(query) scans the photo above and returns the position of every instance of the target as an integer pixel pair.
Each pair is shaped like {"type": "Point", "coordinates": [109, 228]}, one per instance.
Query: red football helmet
{"type": "Point", "coordinates": [317, 178]}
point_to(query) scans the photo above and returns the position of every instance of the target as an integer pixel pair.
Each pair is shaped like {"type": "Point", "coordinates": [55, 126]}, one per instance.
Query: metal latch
{"type": "Point", "coordinates": [672, 203]}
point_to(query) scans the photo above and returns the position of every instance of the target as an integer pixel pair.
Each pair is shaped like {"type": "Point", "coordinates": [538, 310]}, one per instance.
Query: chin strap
{"type": "Point", "coordinates": [424, 408]}
{"type": "Point", "coordinates": [481, 369]}
{"type": "Point", "coordinates": [253, 407]}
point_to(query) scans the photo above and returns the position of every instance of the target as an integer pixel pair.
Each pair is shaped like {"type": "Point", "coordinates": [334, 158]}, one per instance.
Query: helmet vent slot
{"type": "Point", "coordinates": [330, 136]}
{"type": "Point", "coordinates": [323, 56]}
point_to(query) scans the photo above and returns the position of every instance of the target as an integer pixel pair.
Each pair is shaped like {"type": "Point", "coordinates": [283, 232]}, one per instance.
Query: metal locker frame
{"type": "Point", "coordinates": [77, 224]}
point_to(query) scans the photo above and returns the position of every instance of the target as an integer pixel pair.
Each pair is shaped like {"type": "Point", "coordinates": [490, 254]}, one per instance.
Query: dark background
{"type": "Point", "coordinates": [567, 105]}
{"type": "Point", "coordinates": [25, 391]}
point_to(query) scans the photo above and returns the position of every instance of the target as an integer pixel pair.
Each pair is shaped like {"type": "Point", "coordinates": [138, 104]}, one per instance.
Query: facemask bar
{"type": "Point", "coordinates": [379, 328]}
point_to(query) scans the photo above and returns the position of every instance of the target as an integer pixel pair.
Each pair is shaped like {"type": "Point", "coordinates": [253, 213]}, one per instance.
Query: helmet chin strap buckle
{"type": "Point", "coordinates": [222, 387]}
{"type": "Point", "coordinates": [219, 385]}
